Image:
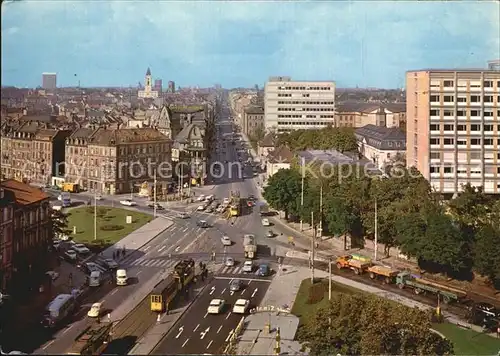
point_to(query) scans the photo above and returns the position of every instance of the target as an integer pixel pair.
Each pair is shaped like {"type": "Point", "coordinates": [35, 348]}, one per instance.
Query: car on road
{"type": "Point", "coordinates": [95, 310]}
{"type": "Point", "coordinates": [209, 198]}
{"type": "Point", "coordinates": [90, 267]}
{"type": "Point", "coordinates": [241, 306]}
{"type": "Point", "coordinates": [229, 262]}
{"type": "Point", "coordinates": [235, 285]}
{"type": "Point", "coordinates": [158, 206]}
{"type": "Point", "coordinates": [203, 224]}
{"type": "Point", "coordinates": [226, 241]}
{"type": "Point", "coordinates": [220, 209]}
{"type": "Point", "coordinates": [183, 216]}
{"type": "Point", "coordinates": [128, 202]}
{"type": "Point", "coordinates": [249, 203]}
{"type": "Point", "coordinates": [248, 266]}
{"type": "Point", "coordinates": [98, 197]}
{"type": "Point", "coordinates": [265, 222]}
{"type": "Point", "coordinates": [81, 249]}
{"type": "Point", "coordinates": [215, 204]}
{"type": "Point", "coordinates": [71, 255]}
{"type": "Point", "coordinates": [216, 306]}
{"type": "Point", "coordinates": [52, 274]}
{"type": "Point", "coordinates": [264, 270]}
{"type": "Point", "coordinates": [56, 243]}
{"type": "Point", "coordinates": [270, 233]}
{"type": "Point", "coordinates": [110, 263]}
{"type": "Point", "coordinates": [201, 198]}
{"type": "Point", "coordinates": [201, 207]}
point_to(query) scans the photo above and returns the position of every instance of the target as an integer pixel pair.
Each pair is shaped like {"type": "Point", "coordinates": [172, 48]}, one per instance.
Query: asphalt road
{"type": "Point", "coordinates": [197, 332]}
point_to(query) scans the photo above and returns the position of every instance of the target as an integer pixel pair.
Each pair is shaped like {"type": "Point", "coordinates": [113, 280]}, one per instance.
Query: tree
{"type": "Point", "coordinates": [340, 139]}
{"type": "Point", "coordinates": [410, 229]}
{"type": "Point", "coordinates": [59, 223]}
{"type": "Point", "coordinates": [368, 325]}
{"type": "Point", "coordinates": [471, 207]}
{"type": "Point", "coordinates": [283, 191]}
{"type": "Point", "coordinates": [487, 252]}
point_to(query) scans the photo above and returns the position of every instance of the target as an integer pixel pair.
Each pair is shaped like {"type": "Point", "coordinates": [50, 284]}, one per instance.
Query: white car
{"type": "Point", "coordinates": [183, 216]}
{"type": "Point", "coordinates": [98, 197]}
{"type": "Point", "coordinates": [241, 306]}
{"type": "Point", "coordinates": [248, 266]}
{"type": "Point", "coordinates": [71, 255]}
{"type": "Point", "coordinates": [95, 310]}
{"type": "Point", "coordinates": [216, 306]}
{"type": "Point", "coordinates": [201, 207]}
{"type": "Point", "coordinates": [226, 201]}
{"type": "Point", "coordinates": [209, 198]}
{"type": "Point", "coordinates": [226, 241]}
{"type": "Point", "coordinates": [265, 222]}
{"type": "Point", "coordinates": [81, 249]}
{"type": "Point", "coordinates": [128, 202]}
{"type": "Point", "coordinates": [201, 198]}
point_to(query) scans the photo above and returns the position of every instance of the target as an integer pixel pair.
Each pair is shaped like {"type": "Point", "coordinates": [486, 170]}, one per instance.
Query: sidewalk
{"type": "Point", "coordinates": [155, 334]}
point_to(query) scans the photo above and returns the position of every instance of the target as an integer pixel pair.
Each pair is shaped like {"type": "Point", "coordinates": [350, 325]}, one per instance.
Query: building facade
{"type": "Point", "coordinates": [148, 91]}
{"type": "Point", "coordinates": [49, 81]}
{"type": "Point", "coordinates": [453, 126]}
{"type": "Point", "coordinates": [171, 87]}
{"type": "Point", "coordinates": [253, 121]}
{"type": "Point", "coordinates": [359, 114]}
{"type": "Point", "coordinates": [292, 105]}
{"type": "Point", "coordinates": [158, 85]}
{"type": "Point", "coordinates": [26, 236]}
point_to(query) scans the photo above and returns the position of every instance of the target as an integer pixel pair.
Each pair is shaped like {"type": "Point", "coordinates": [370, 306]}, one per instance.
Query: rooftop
{"type": "Point", "coordinates": [24, 194]}
{"type": "Point", "coordinates": [381, 133]}
{"type": "Point", "coordinates": [126, 135]}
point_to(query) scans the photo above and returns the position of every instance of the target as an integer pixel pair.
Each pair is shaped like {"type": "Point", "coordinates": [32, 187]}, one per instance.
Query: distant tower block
{"type": "Point", "coordinates": [171, 87]}
{"type": "Point", "coordinates": [158, 85]}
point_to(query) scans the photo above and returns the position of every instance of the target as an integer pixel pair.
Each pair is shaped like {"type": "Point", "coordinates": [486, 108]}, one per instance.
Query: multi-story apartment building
{"type": "Point", "coordinates": [292, 105]}
{"type": "Point", "coordinates": [33, 153]}
{"type": "Point", "coordinates": [453, 127]}
{"type": "Point", "coordinates": [25, 231]}
{"type": "Point", "coordinates": [359, 114]}
{"type": "Point", "coordinates": [119, 160]}
{"type": "Point", "coordinates": [253, 120]}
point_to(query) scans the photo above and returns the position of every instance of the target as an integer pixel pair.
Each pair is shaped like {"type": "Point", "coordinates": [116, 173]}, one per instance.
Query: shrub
{"type": "Point", "coordinates": [316, 293]}
{"type": "Point", "coordinates": [111, 227]}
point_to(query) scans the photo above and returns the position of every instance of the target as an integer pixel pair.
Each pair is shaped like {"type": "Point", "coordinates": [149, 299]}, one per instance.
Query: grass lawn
{"type": "Point", "coordinates": [111, 224]}
{"type": "Point", "coordinates": [469, 342]}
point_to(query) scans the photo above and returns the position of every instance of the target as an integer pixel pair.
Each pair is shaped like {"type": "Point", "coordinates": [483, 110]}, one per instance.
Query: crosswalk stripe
{"type": "Point", "coordinates": [237, 270]}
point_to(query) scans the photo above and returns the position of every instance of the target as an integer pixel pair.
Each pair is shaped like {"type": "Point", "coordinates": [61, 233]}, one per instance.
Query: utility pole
{"type": "Point", "coordinates": [154, 195]}
{"type": "Point", "coordinates": [313, 248]}
{"type": "Point", "coordinates": [321, 210]}
{"type": "Point", "coordinates": [302, 194]}
{"type": "Point", "coordinates": [182, 181]}
{"type": "Point", "coordinates": [376, 230]}
{"type": "Point", "coordinates": [329, 279]}
{"type": "Point", "coordinates": [95, 215]}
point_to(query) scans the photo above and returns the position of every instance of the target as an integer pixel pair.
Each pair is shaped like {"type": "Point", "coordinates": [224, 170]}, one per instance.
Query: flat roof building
{"type": "Point", "coordinates": [49, 81]}
{"type": "Point", "coordinates": [453, 125]}
{"type": "Point", "coordinates": [293, 105]}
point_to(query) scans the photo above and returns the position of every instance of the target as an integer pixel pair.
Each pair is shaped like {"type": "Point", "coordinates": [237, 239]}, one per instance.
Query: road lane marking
{"type": "Point", "coordinates": [147, 248]}
{"type": "Point", "coordinates": [50, 343]}
{"type": "Point", "coordinates": [204, 333]}
{"type": "Point", "coordinates": [245, 279]}
{"type": "Point", "coordinates": [223, 291]}
{"type": "Point", "coordinates": [185, 342]}
{"type": "Point", "coordinates": [138, 273]}
{"type": "Point", "coordinates": [228, 315]}
{"type": "Point", "coordinates": [185, 229]}
{"type": "Point", "coordinates": [254, 292]}
{"type": "Point", "coordinates": [102, 301]}
{"type": "Point", "coordinates": [194, 241]}
{"type": "Point", "coordinates": [162, 248]}
{"type": "Point", "coordinates": [177, 248]}
{"type": "Point", "coordinates": [181, 329]}
{"type": "Point", "coordinates": [113, 292]}
{"type": "Point", "coordinates": [212, 290]}
{"type": "Point", "coordinates": [196, 328]}
{"type": "Point", "coordinates": [209, 344]}
{"type": "Point", "coordinates": [67, 329]}
{"type": "Point", "coordinates": [229, 335]}
{"type": "Point", "coordinates": [205, 315]}
{"type": "Point", "coordinates": [250, 281]}
{"type": "Point", "coordinates": [218, 330]}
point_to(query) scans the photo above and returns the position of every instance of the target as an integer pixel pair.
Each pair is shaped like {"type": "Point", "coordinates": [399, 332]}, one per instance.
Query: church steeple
{"type": "Point", "coordinates": [148, 71]}
{"type": "Point", "coordinates": [148, 82]}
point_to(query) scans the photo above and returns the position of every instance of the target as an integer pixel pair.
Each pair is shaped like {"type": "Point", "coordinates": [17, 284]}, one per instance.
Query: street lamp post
{"type": "Point", "coordinates": [154, 195]}
{"type": "Point", "coordinates": [302, 195]}
{"type": "Point", "coordinates": [95, 215]}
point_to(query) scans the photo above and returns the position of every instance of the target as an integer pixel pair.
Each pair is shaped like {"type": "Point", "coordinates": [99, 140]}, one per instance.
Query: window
{"type": "Point", "coordinates": [488, 127]}
{"type": "Point", "coordinates": [475, 113]}
{"type": "Point", "coordinates": [488, 141]}
{"type": "Point", "coordinates": [434, 112]}
{"type": "Point", "coordinates": [475, 99]}
{"type": "Point", "coordinates": [461, 142]}
{"type": "Point", "coordinates": [475, 155]}
{"type": "Point", "coordinates": [449, 99]}
{"type": "Point", "coordinates": [434, 169]}
{"type": "Point", "coordinates": [448, 141]}
{"type": "Point", "coordinates": [447, 169]}
{"type": "Point", "coordinates": [498, 169]}
{"type": "Point", "coordinates": [434, 141]}
{"type": "Point", "coordinates": [462, 99]}
{"type": "Point", "coordinates": [475, 141]}
{"type": "Point", "coordinates": [448, 112]}
{"type": "Point", "coordinates": [462, 127]}
{"type": "Point", "coordinates": [488, 112]}
{"type": "Point", "coordinates": [488, 98]}
{"type": "Point", "coordinates": [434, 98]}
{"type": "Point", "coordinates": [449, 127]}
{"type": "Point", "coordinates": [488, 84]}
{"type": "Point", "coordinates": [434, 127]}
{"type": "Point", "coordinates": [435, 155]}
{"type": "Point", "coordinates": [461, 113]}
{"type": "Point", "coordinates": [475, 127]}
{"type": "Point", "coordinates": [448, 83]}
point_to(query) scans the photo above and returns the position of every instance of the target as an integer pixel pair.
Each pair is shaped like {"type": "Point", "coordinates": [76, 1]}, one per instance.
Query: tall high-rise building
{"type": "Point", "coordinates": [49, 80]}
{"type": "Point", "coordinates": [171, 87]}
{"type": "Point", "coordinates": [453, 127]}
{"type": "Point", "coordinates": [292, 105]}
{"type": "Point", "coordinates": [158, 85]}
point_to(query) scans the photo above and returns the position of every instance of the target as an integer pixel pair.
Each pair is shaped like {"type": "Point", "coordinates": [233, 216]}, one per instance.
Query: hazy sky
{"type": "Point", "coordinates": [238, 43]}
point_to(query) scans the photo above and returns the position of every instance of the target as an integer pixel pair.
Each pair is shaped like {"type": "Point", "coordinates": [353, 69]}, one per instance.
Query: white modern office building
{"type": "Point", "coordinates": [292, 105]}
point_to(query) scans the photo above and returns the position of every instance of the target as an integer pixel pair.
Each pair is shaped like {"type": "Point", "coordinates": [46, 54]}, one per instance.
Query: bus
{"type": "Point", "coordinates": [65, 198]}
{"type": "Point", "coordinates": [92, 341]}
{"type": "Point", "coordinates": [62, 306]}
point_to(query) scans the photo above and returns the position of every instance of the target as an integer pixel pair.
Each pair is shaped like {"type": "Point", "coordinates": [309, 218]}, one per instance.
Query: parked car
{"type": "Point", "coordinates": [128, 202]}
{"type": "Point", "coordinates": [81, 249]}
{"type": "Point", "coordinates": [52, 274]}
{"type": "Point", "coordinates": [248, 266]}
{"type": "Point", "coordinates": [110, 263]}
{"type": "Point", "coordinates": [201, 198]}
{"type": "Point", "coordinates": [270, 233]}
{"type": "Point", "coordinates": [265, 222]}
{"type": "Point", "coordinates": [90, 267]}
{"type": "Point", "coordinates": [201, 207]}
{"type": "Point", "coordinates": [71, 255]}
{"type": "Point", "coordinates": [229, 262]}
{"type": "Point", "coordinates": [264, 270]}
{"type": "Point", "coordinates": [95, 310]}
{"type": "Point", "coordinates": [226, 241]}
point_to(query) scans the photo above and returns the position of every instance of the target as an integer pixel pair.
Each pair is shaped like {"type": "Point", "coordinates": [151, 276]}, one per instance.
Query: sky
{"type": "Point", "coordinates": [239, 43]}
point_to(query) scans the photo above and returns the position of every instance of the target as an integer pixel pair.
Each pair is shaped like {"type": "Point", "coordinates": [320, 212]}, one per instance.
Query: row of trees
{"type": "Point", "coordinates": [452, 237]}
{"type": "Point", "coordinates": [367, 325]}
{"type": "Point", "coordinates": [341, 139]}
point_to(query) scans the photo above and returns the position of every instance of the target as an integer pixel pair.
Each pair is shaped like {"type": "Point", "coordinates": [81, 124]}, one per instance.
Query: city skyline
{"type": "Point", "coordinates": [243, 43]}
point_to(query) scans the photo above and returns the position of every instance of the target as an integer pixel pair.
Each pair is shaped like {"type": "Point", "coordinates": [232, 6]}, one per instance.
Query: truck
{"type": "Point", "coordinates": [92, 341]}
{"type": "Point", "coordinates": [356, 265]}
{"type": "Point", "coordinates": [263, 209]}
{"type": "Point", "coordinates": [235, 206]}
{"type": "Point", "coordinates": [70, 187]}
{"type": "Point", "coordinates": [387, 274]}
{"type": "Point", "coordinates": [420, 286]}
{"type": "Point", "coordinates": [249, 246]}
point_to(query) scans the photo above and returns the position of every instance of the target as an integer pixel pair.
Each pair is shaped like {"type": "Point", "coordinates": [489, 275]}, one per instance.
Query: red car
{"type": "Point", "coordinates": [249, 203]}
